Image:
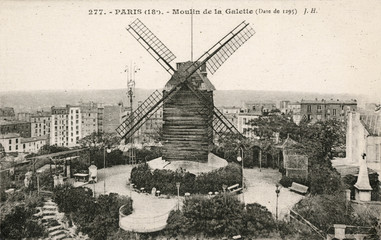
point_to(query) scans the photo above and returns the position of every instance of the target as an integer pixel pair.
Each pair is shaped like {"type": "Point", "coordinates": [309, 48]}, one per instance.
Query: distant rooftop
{"type": "Point", "coordinates": [328, 101]}
{"type": "Point", "coordinates": [7, 122]}
{"type": "Point", "coordinates": [41, 114]}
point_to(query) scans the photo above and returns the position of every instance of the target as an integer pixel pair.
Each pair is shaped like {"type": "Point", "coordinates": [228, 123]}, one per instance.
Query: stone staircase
{"type": "Point", "coordinates": [54, 222]}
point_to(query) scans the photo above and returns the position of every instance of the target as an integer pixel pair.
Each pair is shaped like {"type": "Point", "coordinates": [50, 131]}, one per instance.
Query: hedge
{"type": "Point", "coordinates": [165, 180]}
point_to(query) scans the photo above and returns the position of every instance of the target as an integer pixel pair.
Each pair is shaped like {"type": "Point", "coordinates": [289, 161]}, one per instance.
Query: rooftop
{"type": "Point", "coordinates": [328, 101]}
{"type": "Point", "coordinates": [7, 122]}
{"type": "Point", "coordinates": [33, 139]}
{"type": "Point", "coordinates": [9, 135]}
{"type": "Point", "coordinates": [42, 114]}
{"type": "Point", "coordinates": [372, 123]}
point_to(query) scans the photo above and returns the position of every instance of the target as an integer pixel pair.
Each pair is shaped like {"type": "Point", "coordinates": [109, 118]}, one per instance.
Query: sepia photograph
{"type": "Point", "coordinates": [190, 120]}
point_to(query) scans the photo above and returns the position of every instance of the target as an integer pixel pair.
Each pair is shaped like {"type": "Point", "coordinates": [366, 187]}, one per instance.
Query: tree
{"type": "Point", "coordinates": [258, 221]}
{"type": "Point", "coordinates": [47, 149]}
{"type": "Point", "coordinates": [100, 139]}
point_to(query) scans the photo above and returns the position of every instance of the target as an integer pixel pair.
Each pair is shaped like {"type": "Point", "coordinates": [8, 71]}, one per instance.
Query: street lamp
{"type": "Point", "coordinates": [178, 195]}
{"type": "Point", "coordinates": [277, 191]}
{"type": "Point", "coordinates": [104, 166]}
{"type": "Point", "coordinates": [240, 159]}
{"type": "Point", "coordinates": [93, 177]}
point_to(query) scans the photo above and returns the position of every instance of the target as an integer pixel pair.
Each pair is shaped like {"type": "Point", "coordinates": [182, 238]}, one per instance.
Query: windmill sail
{"type": "Point", "coordinates": [152, 44]}
{"type": "Point", "coordinates": [140, 115]}
{"type": "Point", "coordinates": [223, 49]}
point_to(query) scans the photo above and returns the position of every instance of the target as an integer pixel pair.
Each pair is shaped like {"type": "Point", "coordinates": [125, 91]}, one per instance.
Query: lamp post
{"type": "Point", "coordinates": [240, 159]}
{"type": "Point", "coordinates": [93, 177]}
{"type": "Point", "coordinates": [277, 191]}
{"type": "Point", "coordinates": [104, 166]}
{"type": "Point", "coordinates": [178, 195]}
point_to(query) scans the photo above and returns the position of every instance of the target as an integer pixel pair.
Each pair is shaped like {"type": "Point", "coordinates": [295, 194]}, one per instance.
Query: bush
{"type": "Point", "coordinates": [287, 181]}
{"type": "Point", "coordinates": [165, 180]}
{"type": "Point", "coordinates": [222, 215]}
{"type": "Point", "coordinates": [258, 220]}
{"type": "Point", "coordinates": [17, 218]}
{"type": "Point", "coordinates": [96, 218]}
{"type": "Point", "coordinates": [177, 224]}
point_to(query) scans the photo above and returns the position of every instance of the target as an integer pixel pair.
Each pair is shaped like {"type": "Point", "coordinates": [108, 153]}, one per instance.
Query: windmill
{"type": "Point", "coordinates": [189, 115]}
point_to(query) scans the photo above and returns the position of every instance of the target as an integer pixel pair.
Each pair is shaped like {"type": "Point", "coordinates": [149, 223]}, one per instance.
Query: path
{"type": "Point", "coordinates": [261, 189]}
{"type": "Point", "coordinates": [150, 212]}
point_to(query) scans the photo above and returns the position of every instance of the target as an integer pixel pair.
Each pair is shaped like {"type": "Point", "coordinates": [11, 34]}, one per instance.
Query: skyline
{"type": "Point", "coordinates": [58, 46]}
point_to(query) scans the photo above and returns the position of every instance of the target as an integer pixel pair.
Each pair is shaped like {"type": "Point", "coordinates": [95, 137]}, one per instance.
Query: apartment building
{"type": "Point", "coordinates": [326, 109]}
{"type": "Point", "coordinates": [75, 125]}
{"type": "Point", "coordinates": [59, 127]}
{"type": "Point", "coordinates": [89, 114]}
{"type": "Point", "coordinates": [40, 124]}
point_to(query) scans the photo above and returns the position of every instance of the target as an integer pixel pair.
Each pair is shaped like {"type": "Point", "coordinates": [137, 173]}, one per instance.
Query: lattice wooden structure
{"type": "Point", "coordinates": [189, 115]}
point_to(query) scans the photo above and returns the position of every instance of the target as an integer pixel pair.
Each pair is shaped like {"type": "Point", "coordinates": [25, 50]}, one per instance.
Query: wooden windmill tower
{"type": "Point", "coordinates": [189, 115]}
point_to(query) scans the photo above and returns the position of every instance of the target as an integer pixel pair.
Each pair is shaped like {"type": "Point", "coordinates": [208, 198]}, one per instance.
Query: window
{"type": "Point", "coordinates": [10, 148]}
{"type": "Point", "coordinates": [334, 112]}
{"type": "Point", "coordinates": [17, 140]}
{"type": "Point", "coordinates": [10, 141]}
{"type": "Point", "coordinates": [23, 146]}
{"type": "Point", "coordinates": [308, 108]}
{"type": "Point", "coordinates": [17, 147]}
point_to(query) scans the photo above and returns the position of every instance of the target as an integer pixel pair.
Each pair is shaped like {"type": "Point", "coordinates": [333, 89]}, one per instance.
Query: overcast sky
{"type": "Point", "coordinates": [58, 45]}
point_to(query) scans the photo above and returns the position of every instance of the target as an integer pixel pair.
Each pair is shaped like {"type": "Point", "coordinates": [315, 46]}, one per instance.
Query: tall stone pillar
{"type": "Point", "coordinates": [363, 188]}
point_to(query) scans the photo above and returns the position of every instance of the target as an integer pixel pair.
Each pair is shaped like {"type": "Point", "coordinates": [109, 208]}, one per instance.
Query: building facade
{"type": "Point", "coordinates": [364, 136]}
{"type": "Point", "coordinates": [11, 142]}
{"type": "Point", "coordinates": [40, 124]}
{"type": "Point", "coordinates": [59, 127]}
{"type": "Point", "coordinates": [258, 108]}
{"type": "Point", "coordinates": [75, 125]}
{"type": "Point", "coordinates": [24, 116]}
{"type": "Point", "coordinates": [89, 113]}
{"type": "Point", "coordinates": [244, 126]}
{"type": "Point", "coordinates": [14, 126]}
{"type": "Point", "coordinates": [33, 144]}
{"type": "Point", "coordinates": [321, 110]}
{"type": "Point", "coordinates": [112, 117]}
